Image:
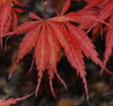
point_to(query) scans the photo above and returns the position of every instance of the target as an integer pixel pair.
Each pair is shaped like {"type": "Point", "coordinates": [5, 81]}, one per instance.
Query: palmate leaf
{"type": "Point", "coordinates": [47, 37]}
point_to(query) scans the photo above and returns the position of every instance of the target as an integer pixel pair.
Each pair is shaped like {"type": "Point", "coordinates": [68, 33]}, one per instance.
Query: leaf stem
{"type": "Point", "coordinates": [45, 10]}
{"type": "Point", "coordinates": [54, 9]}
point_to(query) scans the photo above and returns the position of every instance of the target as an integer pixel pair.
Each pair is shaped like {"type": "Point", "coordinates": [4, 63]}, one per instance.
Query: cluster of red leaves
{"type": "Point", "coordinates": [103, 9]}
{"type": "Point", "coordinates": [48, 36]}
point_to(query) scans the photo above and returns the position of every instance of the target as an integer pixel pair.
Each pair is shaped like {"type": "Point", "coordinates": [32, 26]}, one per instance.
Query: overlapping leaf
{"type": "Point", "coordinates": [47, 37]}
{"type": "Point", "coordinates": [105, 13]}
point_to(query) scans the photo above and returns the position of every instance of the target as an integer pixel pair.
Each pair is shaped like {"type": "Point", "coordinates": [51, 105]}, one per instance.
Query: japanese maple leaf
{"type": "Point", "coordinates": [8, 16]}
{"type": "Point", "coordinates": [93, 8]}
{"type": "Point", "coordinates": [105, 13]}
{"type": "Point", "coordinates": [47, 36]}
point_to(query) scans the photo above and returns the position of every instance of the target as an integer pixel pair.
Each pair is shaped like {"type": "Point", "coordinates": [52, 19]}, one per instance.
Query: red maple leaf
{"type": "Point", "coordinates": [48, 36]}
{"type": "Point", "coordinates": [93, 8]}
{"type": "Point", "coordinates": [105, 13]}
{"type": "Point", "coordinates": [8, 16]}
